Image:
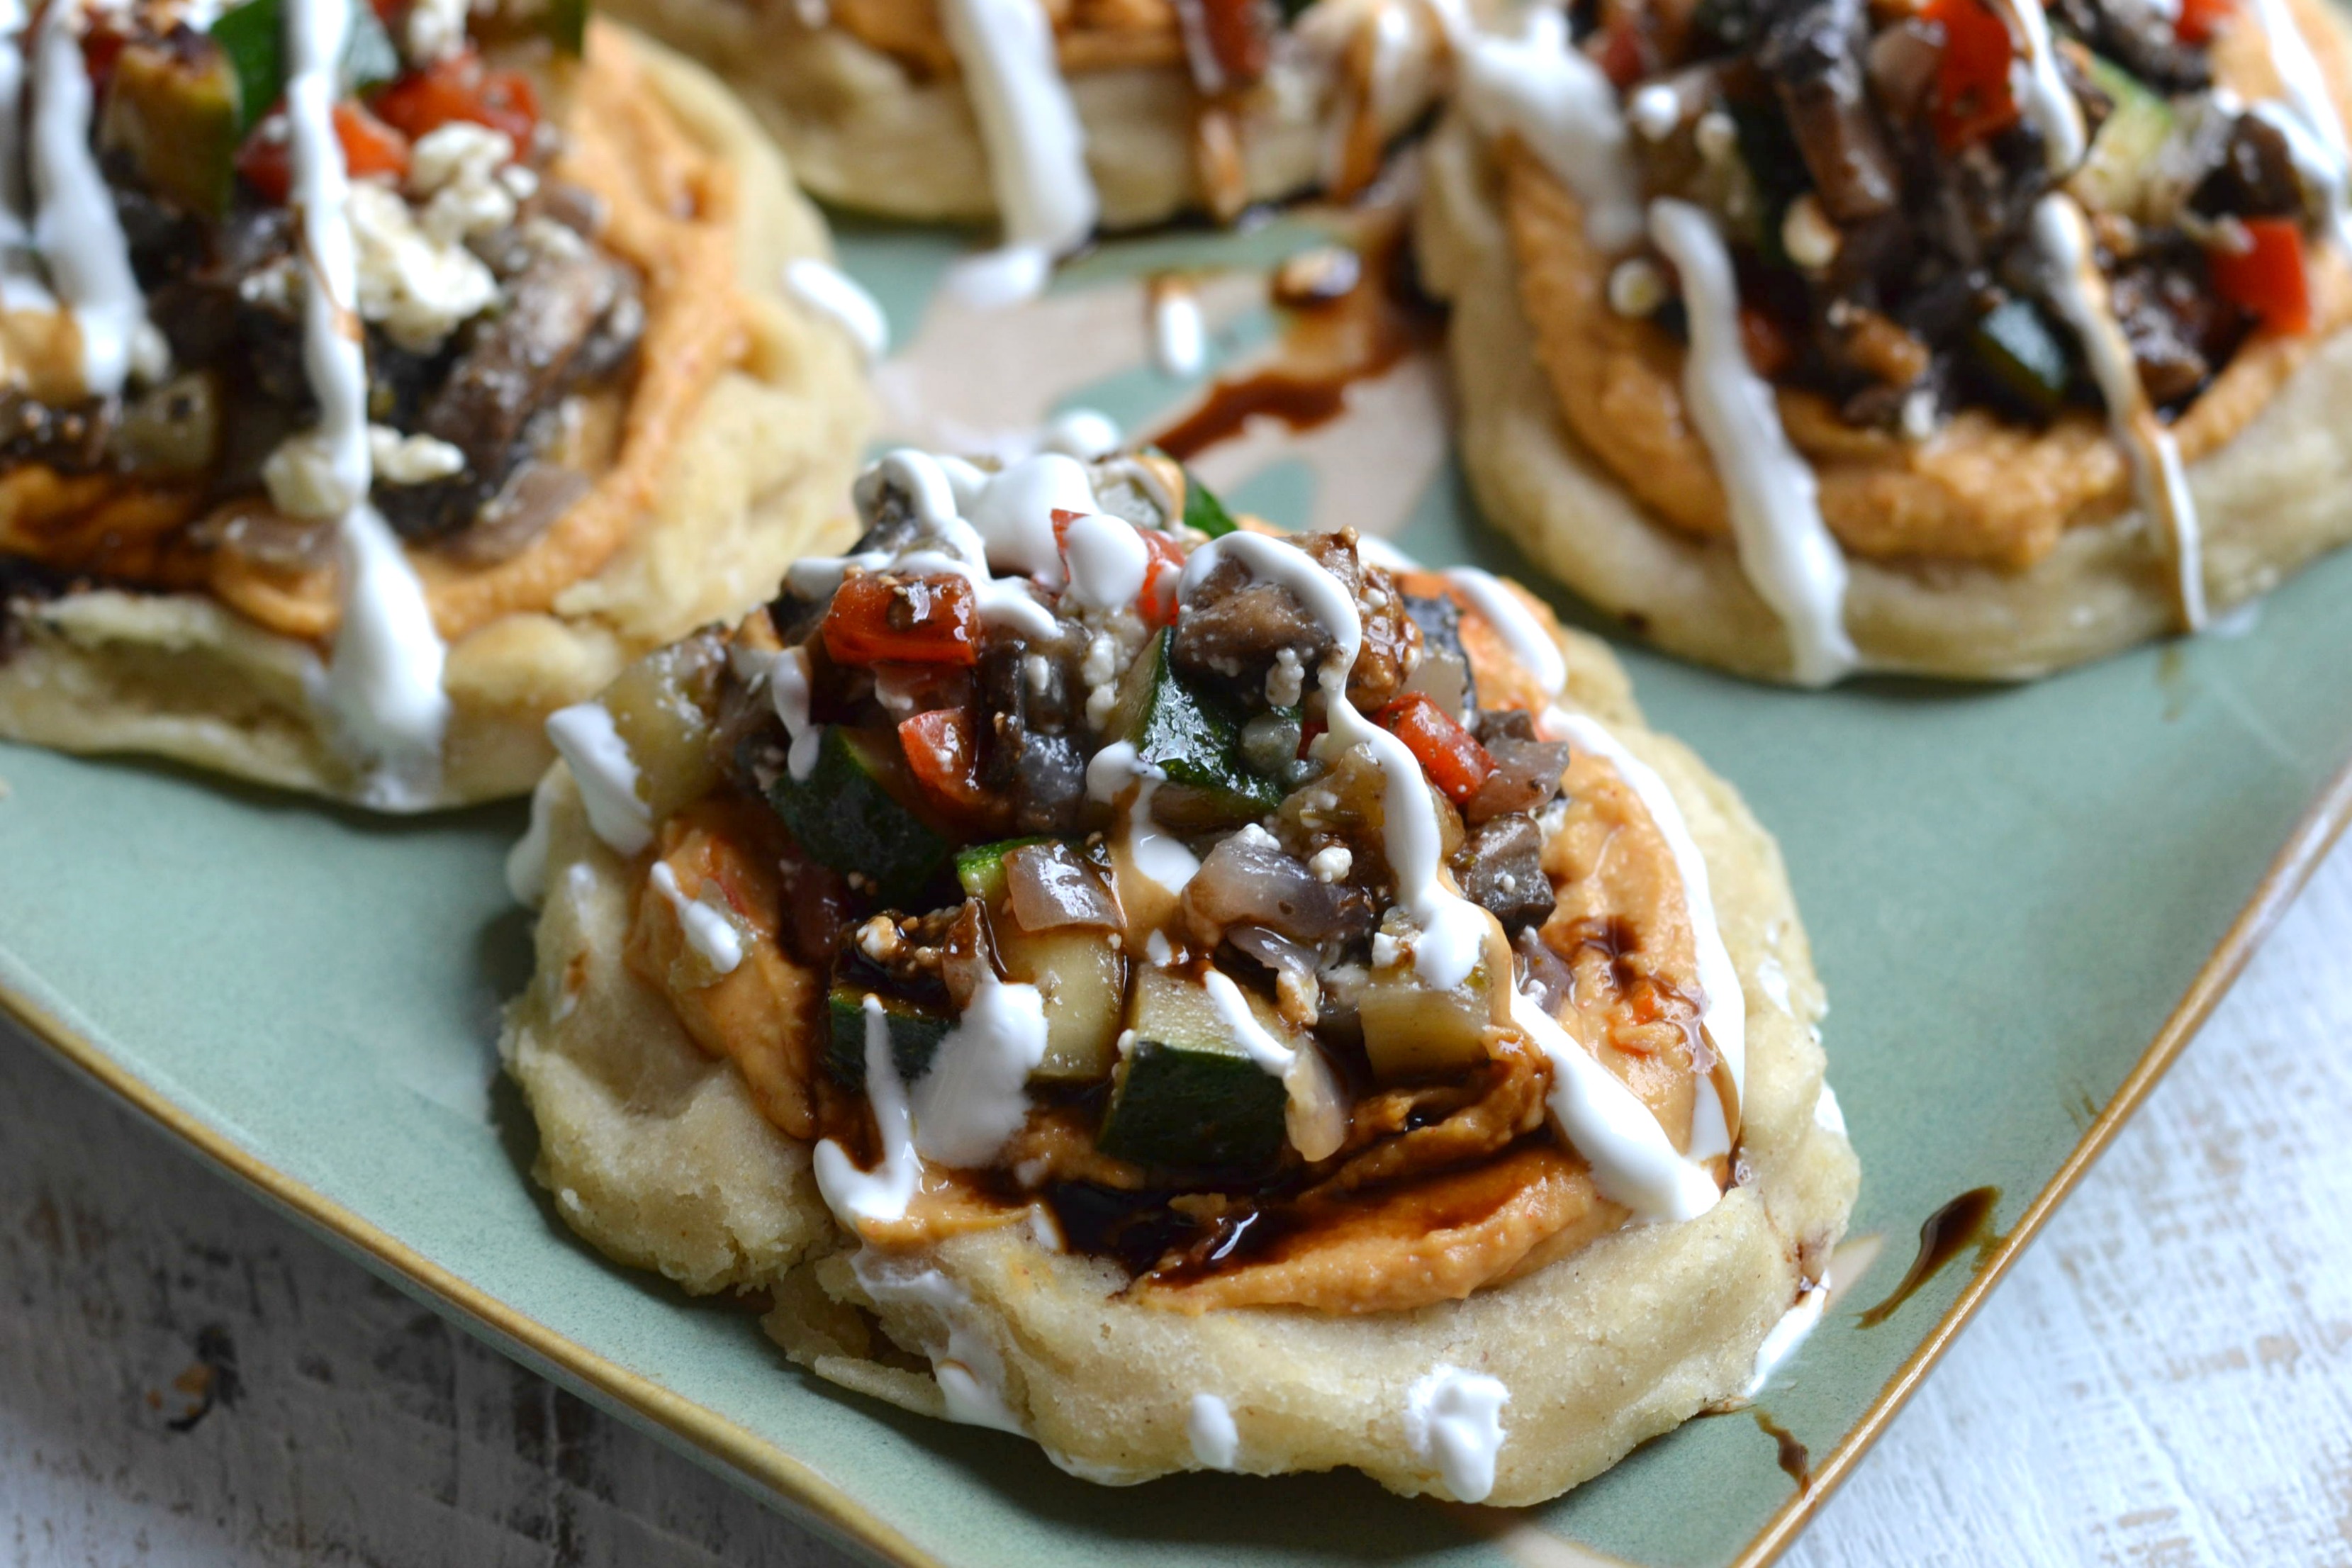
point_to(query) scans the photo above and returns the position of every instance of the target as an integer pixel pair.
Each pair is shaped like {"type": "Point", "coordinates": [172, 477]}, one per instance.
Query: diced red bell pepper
{"type": "Point", "coordinates": [2270, 279]}
{"type": "Point", "coordinates": [1447, 752]}
{"type": "Point", "coordinates": [266, 161]}
{"type": "Point", "coordinates": [903, 620]}
{"type": "Point", "coordinates": [1157, 602]}
{"type": "Point", "coordinates": [1972, 101]}
{"type": "Point", "coordinates": [2201, 19]}
{"type": "Point", "coordinates": [1765, 345]}
{"type": "Point", "coordinates": [942, 751]}
{"type": "Point", "coordinates": [460, 87]}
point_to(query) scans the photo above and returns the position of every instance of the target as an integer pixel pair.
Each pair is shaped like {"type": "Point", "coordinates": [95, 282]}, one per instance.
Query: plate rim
{"type": "Point", "coordinates": [799, 1484]}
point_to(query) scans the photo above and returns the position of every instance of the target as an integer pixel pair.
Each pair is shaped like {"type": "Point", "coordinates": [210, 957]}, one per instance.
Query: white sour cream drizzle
{"type": "Point", "coordinates": [1107, 562]}
{"type": "Point", "coordinates": [1036, 148]}
{"type": "Point", "coordinates": [971, 1373]}
{"type": "Point", "coordinates": [1828, 1114]}
{"type": "Point", "coordinates": [2080, 295]}
{"type": "Point", "coordinates": [703, 918]}
{"type": "Point", "coordinates": [1455, 1419]}
{"type": "Point", "coordinates": [2040, 92]}
{"type": "Point", "coordinates": [1789, 1333]}
{"type": "Point", "coordinates": [974, 1097]}
{"type": "Point", "coordinates": [526, 861]}
{"type": "Point", "coordinates": [2318, 135]}
{"type": "Point", "coordinates": [1180, 338]}
{"type": "Point", "coordinates": [1157, 854]}
{"type": "Point", "coordinates": [960, 1111]}
{"type": "Point", "coordinates": [74, 226]}
{"type": "Point", "coordinates": [1784, 547]}
{"type": "Point", "coordinates": [841, 300]}
{"type": "Point", "coordinates": [1452, 934]}
{"type": "Point", "coordinates": [1314, 1116]}
{"type": "Point", "coordinates": [1209, 1425]}
{"type": "Point", "coordinates": [788, 693]}
{"type": "Point", "coordinates": [384, 680]}
{"type": "Point", "coordinates": [1597, 1122]}
{"type": "Point", "coordinates": [21, 285]}
{"type": "Point", "coordinates": [1542, 90]}
{"type": "Point", "coordinates": [883, 1193]}
{"type": "Point", "coordinates": [584, 736]}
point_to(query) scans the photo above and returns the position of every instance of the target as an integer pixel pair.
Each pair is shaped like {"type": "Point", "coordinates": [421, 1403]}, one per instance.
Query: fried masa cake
{"type": "Point", "coordinates": [1960, 338]}
{"type": "Point", "coordinates": [1054, 115]}
{"type": "Point", "coordinates": [1199, 997]}
{"type": "Point", "coordinates": [348, 436]}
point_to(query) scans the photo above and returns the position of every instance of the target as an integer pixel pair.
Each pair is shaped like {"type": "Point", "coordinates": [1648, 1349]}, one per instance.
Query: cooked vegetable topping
{"type": "Point", "coordinates": [499, 333]}
{"type": "Point", "coordinates": [1876, 170]}
{"type": "Point", "coordinates": [1119, 847]}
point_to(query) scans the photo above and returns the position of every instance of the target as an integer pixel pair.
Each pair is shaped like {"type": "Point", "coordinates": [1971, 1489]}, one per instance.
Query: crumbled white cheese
{"type": "Point", "coordinates": [1332, 863]}
{"type": "Point", "coordinates": [302, 480]}
{"type": "Point", "coordinates": [419, 288]}
{"type": "Point", "coordinates": [411, 459]}
{"type": "Point", "coordinates": [1102, 660]}
{"type": "Point", "coordinates": [1286, 680]}
{"type": "Point", "coordinates": [454, 170]}
{"type": "Point", "coordinates": [436, 30]}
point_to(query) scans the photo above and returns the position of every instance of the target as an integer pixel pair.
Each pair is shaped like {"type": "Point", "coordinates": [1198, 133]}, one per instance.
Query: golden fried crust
{"type": "Point", "coordinates": [1980, 490]}
{"type": "Point", "coordinates": [874, 116]}
{"type": "Point", "coordinates": [740, 439]}
{"type": "Point", "coordinates": [657, 1153]}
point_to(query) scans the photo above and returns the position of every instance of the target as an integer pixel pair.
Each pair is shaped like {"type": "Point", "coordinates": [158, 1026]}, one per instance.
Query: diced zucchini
{"type": "Point", "coordinates": [2019, 349]}
{"type": "Point", "coordinates": [174, 112]}
{"type": "Point", "coordinates": [567, 25]}
{"type": "Point", "coordinates": [1080, 977]}
{"type": "Point", "coordinates": [915, 1035]}
{"type": "Point", "coordinates": [847, 814]}
{"type": "Point", "coordinates": [661, 706]}
{"type": "Point", "coordinates": [1082, 980]}
{"type": "Point", "coordinates": [1187, 1094]}
{"type": "Point", "coordinates": [1194, 739]}
{"type": "Point", "coordinates": [252, 36]}
{"type": "Point", "coordinates": [981, 869]}
{"type": "Point", "coordinates": [2115, 175]}
{"type": "Point", "coordinates": [1412, 1031]}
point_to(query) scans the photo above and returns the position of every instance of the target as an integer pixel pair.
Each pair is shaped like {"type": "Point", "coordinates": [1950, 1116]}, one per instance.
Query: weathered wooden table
{"type": "Point", "coordinates": [2165, 1379]}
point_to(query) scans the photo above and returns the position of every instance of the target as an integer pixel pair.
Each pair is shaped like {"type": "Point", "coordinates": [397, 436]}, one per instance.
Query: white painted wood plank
{"type": "Point", "coordinates": [2165, 1380]}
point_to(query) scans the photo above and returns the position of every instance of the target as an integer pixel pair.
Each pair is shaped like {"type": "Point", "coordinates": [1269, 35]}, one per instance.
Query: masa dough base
{"type": "Point", "coordinates": [2270, 500]}
{"type": "Point", "coordinates": [657, 1155]}
{"type": "Point", "coordinates": [865, 132]}
{"type": "Point", "coordinates": [756, 482]}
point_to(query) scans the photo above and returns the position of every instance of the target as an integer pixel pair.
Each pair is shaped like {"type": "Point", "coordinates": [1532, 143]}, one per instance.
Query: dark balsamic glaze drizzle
{"type": "Point", "coordinates": [1963, 1224]}
{"type": "Point", "coordinates": [1330, 345]}
{"type": "Point", "coordinates": [1795, 1456]}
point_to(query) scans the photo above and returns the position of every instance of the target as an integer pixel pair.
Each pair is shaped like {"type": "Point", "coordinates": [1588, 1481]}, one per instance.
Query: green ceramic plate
{"type": "Point", "coordinates": [2022, 900]}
